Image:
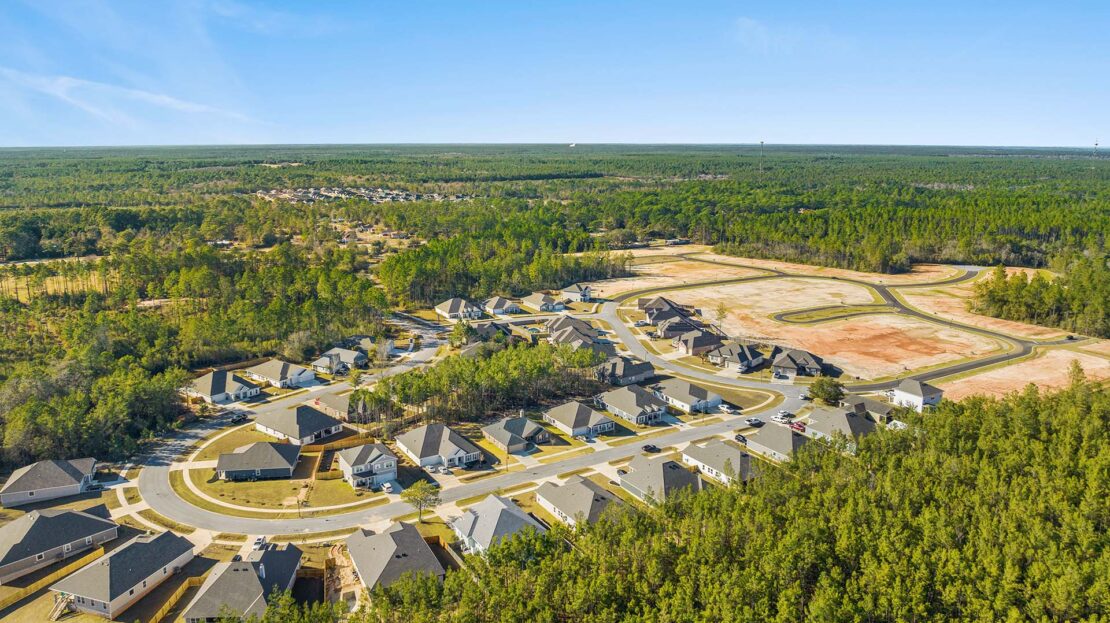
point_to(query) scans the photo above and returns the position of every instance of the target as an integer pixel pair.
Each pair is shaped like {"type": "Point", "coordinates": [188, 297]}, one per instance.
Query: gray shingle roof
{"type": "Point", "coordinates": [239, 588]}
{"type": "Point", "coordinates": [860, 404]}
{"type": "Point", "coordinates": [493, 519]}
{"type": "Point", "coordinates": [625, 367]}
{"type": "Point", "coordinates": [576, 288]}
{"type": "Point", "coordinates": [340, 403]}
{"type": "Point", "coordinates": [562, 322]}
{"type": "Point", "coordinates": [794, 359]}
{"type": "Point", "coordinates": [116, 573]}
{"type": "Point", "coordinates": [919, 389]}
{"type": "Point", "coordinates": [43, 530]}
{"type": "Point", "coordinates": [435, 440]}
{"type": "Point", "coordinates": [369, 453]}
{"type": "Point", "coordinates": [48, 474]}
{"type": "Point", "coordinates": [538, 299]}
{"type": "Point", "coordinates": [497, 302]}
{"type": "Point", "coordinates": [722, 457]}
{"type": "Point", "coordinates": [381, 559]}
{"type": "Point", "coordinates": [780, 439]}
{"type": "Point", "coordinates": [831, 421]}
{"type": "Point", "coordinates": [574, 414]}
{"type": "Point", "coordinates": [578, 498]}
{"type": "Point", "coordinates": [512, 431]}
{"type": "Point", "coordinates": [684, 391]}
{"type": "Point", "coordinates": [698, 339]}
{"type": "Point", "coordinates": [734, 352]}
{"type": "Point", "coordinates": [455, 306]}
{"type": "Point", "coordinates": [260, 455]}
{"type": "Point", "coordinates": [299, 422]}
{"type": "Point", "coordinates": [276, 369]}
{"type": "Point", "coordinates": [219, 382]}
{"type": "Point", "coordinates": [632, 399]}
{"type": "Point", "coordinates": [660, 477]}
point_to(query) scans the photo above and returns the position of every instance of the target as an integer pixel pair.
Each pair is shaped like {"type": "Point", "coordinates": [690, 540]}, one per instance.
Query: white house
{"type": "Point", "coordinates": [720, 461]}
{"type": "Point", "coordinates": [47, 480]}
{"type": "Point", "coordinates": [578, 420]}
{"type": "Point", "coordinates": [916, 395]}
{"type": "Point", "coordinates": [221, 386]}
{"type": "Point", "coordinates": [500, 305]}
{"type": "Point", "coordinates": [491, 521]}
{"type": "Point", "coordinates": [543, 302]}
{"type": "Point", "coordinates": [577, 292]}
{"type": "Point", "coordinates": [301, 425]}
{"type": "Point", "coordinates": [458, 309]}
{"type": "Point", "coordinates": [279, 373]}
{"type": "Point", "coordinates": [578, 499]}
{"type": "Point", "coordinates": [436, 444]}
{"type": "Point", "coordinates": [371, 465]}
{"type": "Point", "coordinates": [633, 403]}
{"type": "Point", "coordinates": [685, 396]}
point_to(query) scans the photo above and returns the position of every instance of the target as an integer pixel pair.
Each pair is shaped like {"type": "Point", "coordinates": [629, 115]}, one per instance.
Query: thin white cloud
{"type": "Point", "coordinates": [272, 22]}
{"type": "Point", "coordinates": [759, 37]}
{"type": "Point", "coordinates": [104, 100]}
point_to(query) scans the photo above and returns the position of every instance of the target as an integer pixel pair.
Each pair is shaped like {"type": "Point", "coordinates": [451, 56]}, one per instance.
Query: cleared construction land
{"type": "Point", "coordinates": [1048, 370]}
{"type": "Point", "coordinates": [668, 271]}
{"type": "Point", "coordinates": [950, 303]}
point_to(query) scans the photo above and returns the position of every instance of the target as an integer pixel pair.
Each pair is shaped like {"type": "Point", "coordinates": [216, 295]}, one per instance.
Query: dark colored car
{"type": "Point", "coordinates": [239, 418]}
{"type": "Point", "coordinates": [650, 448]}
{"type": "Point", "coordinates": [740, 438]}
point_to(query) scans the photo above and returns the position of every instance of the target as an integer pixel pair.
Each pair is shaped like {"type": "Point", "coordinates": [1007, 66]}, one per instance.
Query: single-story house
{"type": "Point", "coordinates": [543, 302]}
{"type": "Point", "coordinates": [43, 537]}
{"type": "Point", "coordinates": [259, 461]}
{"type": "Point", "coordinates": [577, 292]}
{"type": "Point", "coordinates": [516, 434]}
{"type": "Point", "coordinates": [110, 585]}
{"type": "Point", "coordinates": [564, 321]}
{"type": "Point", "coordinates": [340, 361]}
{"type": "Point", "coordinates": [221, 386]}
{"type": "Point", "coordinates": [916, 395]}
{"type": "Point", "coordinates": [300, 425]}
{"type": "Point", "coordinates": [658, 315]}
{"type": "Point", "coordinates": [879, 411]}
{"type": "Point", "coordinates": [828, 423]}
{"type": "Point", "coordinates": [371, 345]}
{"type": "Point", "coordinates": [489, 330]}
{"type": "Point", "coordinates": [778, 443]}
{"type": "Point", "coordinates": [720, 461]}
{"type": "Point", "coordinates": [735, 356]}
{"type": "Point", "coordinates": [369, 465]}
{"type": "Point", "coordinates": [624, 371]}
{"type": "Point", "coordinates": [335, 405]}
{"type": "Point", "coordinates": [458, 309]}
{"type": "Point", "coordinates": [674, 327]}
{"type": "Point", "coordinates": [657, 302]}
{"type": "Point", "coordinates": [654, 480]}
{"type": "Point", "coordinates": [437, 444]}
{"type": "Point", "coordinates": [491, 521]}
{"type": "Point", "coordinates": [381, 559]}
{"type": "Point", "coordinates": [633, 403]}
{"type": "Point", "coordinates": [578, 499]}
{"type": "Point", "coordinates": [791, 362]}
{"type": "Point", "coordinates": [685, 396]}
{"type": "Point", "coordinates": [47, 480]}
{"type": "Point", "coordinates": [576, 339]}
{"type": "Point", "coordinates": [500, 305]}
{"type": "Point", "coordinates": [281, 374]}
{"type": "Point", "coordinates": [576, 419]}
{"type": "Point", "coordinates": [696, 342]}
{"type": "Point", "coordinates": [244, 588]}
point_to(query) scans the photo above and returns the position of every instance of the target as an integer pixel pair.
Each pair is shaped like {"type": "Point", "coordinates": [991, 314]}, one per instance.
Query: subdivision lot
{"type": "Point", "coordinates": [950, 303]}
{"type": "Point", "coordinates": [921, 273]}
{"type": "Point", "coordinates": [1048, 370]}
{"type": "Point", "coordinates": [661, 274]}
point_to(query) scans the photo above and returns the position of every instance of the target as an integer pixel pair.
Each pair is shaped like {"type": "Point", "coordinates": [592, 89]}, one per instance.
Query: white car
{"type": "Point", "coordinates": [259, 542]}
{"type": "Point", "coordinates": [780, 418]}
{"type": "Point", "coordinates": [753, 421]}
{"type": "Point", "coordinates": [388, 487]}
{"type": "Point", "coordinates": [726, 408]}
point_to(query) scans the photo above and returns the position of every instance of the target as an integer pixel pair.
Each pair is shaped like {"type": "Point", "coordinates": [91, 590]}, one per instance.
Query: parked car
{"type": "Point", "coordinates": [649, 447]}
{"type": "Point", "coordinates": [259, 542]}
{"type": "Point", "coordinates": [388, 487]}
{"type": "Point", "coordinates": [798, 426]}
{"type": "Point", "coordinates": [784, 413]}
{"type": "Point", "coordinates": [641, 323]}
{"type": "Point", "coordinates": [445, 470]}
{"type": "Point", "coordinates": [726, 408]}
{"type": "Point", "coordinates": [741, 439]}
{"type": "Point", "coordinates": [778, 418]}
{"type": "Point", "coordinates": [753, 421]}
{"type": "Point", "coordinates": [239, 418]}
{"type": "Point", "coordinates": [96, 486]}
{"type": "Point", "coordinates": [804, 396]}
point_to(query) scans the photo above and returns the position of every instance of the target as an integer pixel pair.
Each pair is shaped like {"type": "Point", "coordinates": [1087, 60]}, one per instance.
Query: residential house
{"type": "Point", "coordinates": [108, 586]}
{"type": "Point", "coordinates": [732, 355]}
{"type": "Point", "coordinates": [47, 480]}
{"type": "Point", "coordinates": [499, 305]}
{"type": "Point", "coordinates": [436, 444]}
{"type": "Point", "coordinates": [299, 425]}
{"type": "Point", "coordinates": [656, 302]}
{"type": "Point", "coordinates": [696, 342]}
{"type": "Point", "coordinates": [685, 396]}
{"type": "Point", "coordinates": [489, 330]}
{"type": "Point", "coordinates": [720, 461]}
{"type": "Point", "coordinates": [577, 499]}
{"type": "Point", "coordinates": [335, 405]}
{"type": "Point", "coordinates": [578, 420]}
{"type": "Point", "coordinates": [654, 480]}
{"type": "Point", "coordinates": [543, 302]}
{"type": "Point", "coordinates": [658, 315]}
{"type": "Point", "coordinates": [778, 443]}
{"type": "Point", "coordinates": [564, 321]}
{"type": "Point", "coordinates": [916, 395]}
{"type": "Point", "coordinates": [340, 361]}
{"type": "Point", "coordinates": [576, 339]}
{"type": "Point", "coordinates": [882, 412]}
{"type": "Point", "coordinates": [458, 309]}
{"type": "Point", "coordinates": [370, 465]}
{"type": "Point", "coordinates": [828, 423]}
{"type": "Point", "coordinates": [633, 403]}
{"type": "Point", "coordinates": [624, 371]}
{"type": "Point", "coordinates": [371, 345]}
{"type": "Point", "coordinates": [221, 386]}
{"type": "Point", "coordinates": [577, 292]}
{"type": "Point", "coordinates": [791, 362]}
{"type": "Point", "coordinates": [279, 373]}
{"type": "Point", "coordinates": [673, 327]}
{"type": "Point", "coordinates": [43, 537]}
{"type": "Point", "coordinates": [259, 461]}
{"type": "Point", "coordinates": [516, 434]}
{"type": "Point", "coordinates": [242, 589]}
{"type": "Point", "coordinates": [491, 521]}
{"type": "Point", "coordinates": [382, 559]}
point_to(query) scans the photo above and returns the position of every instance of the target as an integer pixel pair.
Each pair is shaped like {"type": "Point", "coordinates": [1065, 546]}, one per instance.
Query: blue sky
{"type": "Point", "coordinates": [232, 71]}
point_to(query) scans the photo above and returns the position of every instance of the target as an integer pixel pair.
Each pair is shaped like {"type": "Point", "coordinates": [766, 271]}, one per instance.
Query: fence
{"type": "Point", "coordinates": [52, 578]}
{"type": "Point", "coordinates": [357, 439]}
{"type": "Point", "coordinates": [189, 583]}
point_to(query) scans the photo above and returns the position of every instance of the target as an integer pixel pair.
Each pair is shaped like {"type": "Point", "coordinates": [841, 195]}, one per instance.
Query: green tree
{"type": "Point", "coordinates": [421, 495]}
{"type": "Point", "coordinates": [827, 389]}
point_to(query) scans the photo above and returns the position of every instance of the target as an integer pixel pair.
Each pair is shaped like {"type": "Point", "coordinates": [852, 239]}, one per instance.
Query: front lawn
{"type": "Point", "coordinates": [237, 438]}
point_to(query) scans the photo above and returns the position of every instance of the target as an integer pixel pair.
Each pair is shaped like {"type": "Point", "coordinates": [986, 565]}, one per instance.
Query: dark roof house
{"type": "Point", "coordinates": [381, 559]}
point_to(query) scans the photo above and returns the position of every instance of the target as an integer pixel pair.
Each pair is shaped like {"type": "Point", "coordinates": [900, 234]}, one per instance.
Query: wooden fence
{"type": "Point", "coordinates": [52, 578]}
{"type": "Point", "coordinates": [357, 439]}
{"type": "Point", "coordinates": [171, 601]}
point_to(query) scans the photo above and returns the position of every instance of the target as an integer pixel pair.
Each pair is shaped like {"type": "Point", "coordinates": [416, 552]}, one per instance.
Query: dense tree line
{"type": "Point", "coordinates": [984, 510]}
{"type": "Point", "coordinates": [1077, 300]}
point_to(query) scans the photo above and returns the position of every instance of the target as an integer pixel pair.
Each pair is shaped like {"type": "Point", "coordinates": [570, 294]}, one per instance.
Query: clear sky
{"type": "Point", "coordinates": [232, 71]}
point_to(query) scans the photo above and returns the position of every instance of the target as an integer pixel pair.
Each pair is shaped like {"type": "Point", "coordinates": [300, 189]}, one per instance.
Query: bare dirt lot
{"type": "Point", "coordinates": [921, 273]}
{"type": "Point", "coordinates": [1101, 347]}
{"type": "Point", "coordinates": [1047, 371]}
{"type": "Point", "coordinates": [870, 347]}
{"type": "Point", "coordinates": [669, 273]}
{"type": "Point", "coordinates": [950, 303]}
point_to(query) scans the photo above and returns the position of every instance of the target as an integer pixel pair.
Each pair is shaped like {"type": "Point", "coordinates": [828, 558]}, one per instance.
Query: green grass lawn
{"type": "Point", "coordinates": [229, 442]}
{"type": "Point", "coordinates": [167, 523]}
{"type": "Point", "coordinates": [528, 502]}
{"type": "Point", "coordinates": [640, 437]}
{"type": "Point", "coordinates": [434, 526]}
{"type": "Point", "coordinates": [131, 494]}
{"type": "Point", "coordinates": [616, 490]}
{"type": "Point", "coordinates": [276, 494]}
{"type": "Point", "coordinates": [566, 455]}
{"type": "Point", "coordinates": [81, 502]}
